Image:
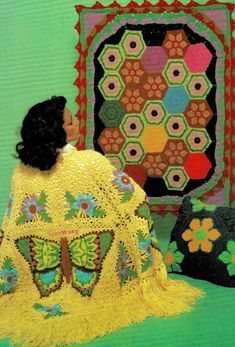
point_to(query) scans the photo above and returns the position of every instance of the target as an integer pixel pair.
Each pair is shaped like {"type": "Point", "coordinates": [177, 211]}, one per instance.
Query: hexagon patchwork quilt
{"type": "Point", "coordinates": [156, 96]}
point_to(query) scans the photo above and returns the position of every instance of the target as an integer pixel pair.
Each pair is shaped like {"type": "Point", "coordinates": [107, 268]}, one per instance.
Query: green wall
{"type": "Point", "coordinates": [37, 58]}
{"type": "Point", "coordinates": [37, 61]}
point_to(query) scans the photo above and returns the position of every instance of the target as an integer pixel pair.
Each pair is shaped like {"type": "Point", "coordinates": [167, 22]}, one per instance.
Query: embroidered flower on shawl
{"type": "Point", "coordinates": [200, 235]}
{"type": "Point", "coordinates": [173, 258]}
{"type": "Point", "coordinates": [52, 311]}
{"type": "Point", "coordinates": [228, 257]}
{"type": "Point", "coordinates": [34, 206]}
{"type": "Point", "coordinates": [31, 206]}
{"type": "Point", "coordinates": [9, 276]}
{"type": "Point", "coordinates": [82, 206]}
{"type": "Point", "coordinates": [122, 181]}
{"type": "Point", "coordinates": [85, 203]}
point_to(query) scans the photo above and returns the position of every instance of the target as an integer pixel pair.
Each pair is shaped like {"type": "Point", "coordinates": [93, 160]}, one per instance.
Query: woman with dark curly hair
{"type": "Point", "coordinates": [79, 256]}
{"type": "Point", "coordinates": [44, 131]}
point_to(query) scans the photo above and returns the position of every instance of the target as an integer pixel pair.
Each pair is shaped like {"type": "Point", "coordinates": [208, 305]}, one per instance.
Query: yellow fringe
{"type": "Point", "coordinates": [92, 318]}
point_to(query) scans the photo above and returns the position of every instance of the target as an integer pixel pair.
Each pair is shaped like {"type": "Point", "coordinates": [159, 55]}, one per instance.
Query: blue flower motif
{"type": "Point", "coordinates": [85, 203]}
{"type": "Point", "coordinates": [52, 311]}
{"type": "Point", "coordinates": [31, 206]}
{"type": "Point", "coordinates": [122, 181]}
{"type": "Point", "coordinates": [10, 279]}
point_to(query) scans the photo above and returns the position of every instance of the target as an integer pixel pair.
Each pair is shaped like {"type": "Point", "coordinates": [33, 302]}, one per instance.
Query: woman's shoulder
{"type": "Point", "coordinates": [84, 159]}
{"type": "Point", "coordinates": [68, 154]}
{"type": "Point", "coordinates": [86, 154]}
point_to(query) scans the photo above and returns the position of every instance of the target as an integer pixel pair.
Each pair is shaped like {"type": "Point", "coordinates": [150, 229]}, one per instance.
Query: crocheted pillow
{"type": "Point", "coordinates": [202, 243]}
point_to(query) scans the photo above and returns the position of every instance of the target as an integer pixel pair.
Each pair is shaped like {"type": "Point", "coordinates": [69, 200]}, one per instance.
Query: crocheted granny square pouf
{"type": "Point", "coordinates": [202, 243]}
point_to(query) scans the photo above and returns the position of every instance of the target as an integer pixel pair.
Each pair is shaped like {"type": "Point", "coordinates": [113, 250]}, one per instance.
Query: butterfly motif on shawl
{"type": "Point", "coordinates": [78, 262]}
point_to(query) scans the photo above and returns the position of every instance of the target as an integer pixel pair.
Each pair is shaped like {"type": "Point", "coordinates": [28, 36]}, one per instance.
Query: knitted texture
{"type": "Point", "coordinates": [79, 255]}
{"type": "Point", "coordinates": [155, 92]}
{"type": "Point", "coordinates": [202, 243]}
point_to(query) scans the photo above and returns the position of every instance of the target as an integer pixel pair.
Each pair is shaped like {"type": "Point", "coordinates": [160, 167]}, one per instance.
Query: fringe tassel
{"type": "Point", "coordinates": [90, 319]}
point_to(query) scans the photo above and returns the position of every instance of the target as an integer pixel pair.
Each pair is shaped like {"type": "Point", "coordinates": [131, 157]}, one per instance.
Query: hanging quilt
{"type": "Point", "coordinates": [156, 96]}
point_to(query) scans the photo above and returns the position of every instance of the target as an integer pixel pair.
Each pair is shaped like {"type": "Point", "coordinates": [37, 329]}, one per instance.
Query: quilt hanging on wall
{"type": "Point", "coordinates": [156, 96]}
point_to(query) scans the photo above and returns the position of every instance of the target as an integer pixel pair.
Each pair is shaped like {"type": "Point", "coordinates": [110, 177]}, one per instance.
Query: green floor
{"type": "Point", "coordinates": [211, 324]}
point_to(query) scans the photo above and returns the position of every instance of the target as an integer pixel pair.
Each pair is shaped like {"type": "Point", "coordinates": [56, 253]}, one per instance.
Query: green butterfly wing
{"type": "Point", "coordinates": [87, 255]}
{"type": "Point", "coordinates": [47, 254]}
{"type": "Point", "coordinates": [84, 251]}
{"type": "Point", "coordinates": [44, 259]}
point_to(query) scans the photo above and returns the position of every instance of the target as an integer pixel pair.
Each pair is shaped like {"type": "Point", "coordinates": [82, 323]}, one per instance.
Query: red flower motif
{"type": "Point", "coordinates": [111, 140]}
{"type": "Point", "coordinates": [131, 71]}
{"type": "Point", "coordinates": [176, 43]}
{"type": "Point", "coordinates": [155, 87]}
{"type": "Point", "coordinates": [154, 165]}
{"type": "Point", "coordinates": [198, 113]}
{"type": "Point", "coordinates": [176, 152]}
{"type": "Point", "coordinates": [132, 101]}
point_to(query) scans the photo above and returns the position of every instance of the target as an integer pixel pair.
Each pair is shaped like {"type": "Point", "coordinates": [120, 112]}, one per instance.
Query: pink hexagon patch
{"type": "Point", "coordinates": [197, 58]}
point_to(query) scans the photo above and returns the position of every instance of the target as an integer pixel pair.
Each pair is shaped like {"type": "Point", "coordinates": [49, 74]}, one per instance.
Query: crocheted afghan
{"type": "Point", "coordinates": [156, 95]}
{"type": "Point", "coordinates": [79, 256]}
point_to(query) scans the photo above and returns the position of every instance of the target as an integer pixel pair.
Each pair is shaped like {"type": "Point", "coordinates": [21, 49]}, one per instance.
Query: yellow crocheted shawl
{"type": "Point", "coordinates": [79, 256]}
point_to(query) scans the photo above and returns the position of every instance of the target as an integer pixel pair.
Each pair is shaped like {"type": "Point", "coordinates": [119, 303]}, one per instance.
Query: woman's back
{"type": "Point", "coordinates": [79, 256]}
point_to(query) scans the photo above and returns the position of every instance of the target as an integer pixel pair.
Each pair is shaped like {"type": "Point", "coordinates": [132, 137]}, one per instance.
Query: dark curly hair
{"type": "Point", "coordinates": [42, 134]}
